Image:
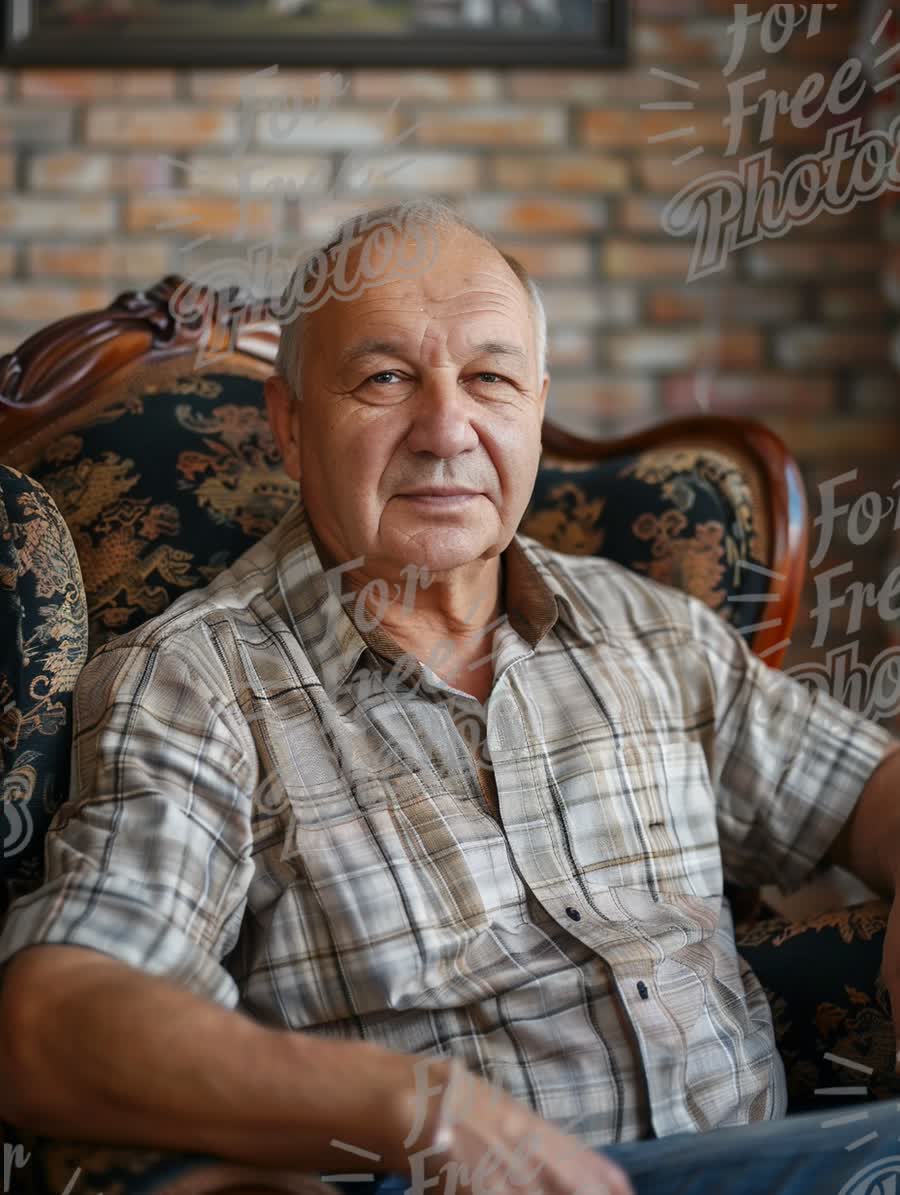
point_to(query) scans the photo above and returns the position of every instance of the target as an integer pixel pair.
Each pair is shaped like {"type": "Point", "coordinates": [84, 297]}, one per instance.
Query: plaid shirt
{"type": "Point", "coordinates": [260, 814]}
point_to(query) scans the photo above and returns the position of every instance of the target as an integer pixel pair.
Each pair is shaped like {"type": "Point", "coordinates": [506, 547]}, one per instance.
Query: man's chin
{"type": "Point", "coordinates": [439, 549]}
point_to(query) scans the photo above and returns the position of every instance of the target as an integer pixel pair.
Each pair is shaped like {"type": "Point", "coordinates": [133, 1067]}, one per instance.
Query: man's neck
{"type": "Point", "coordinates": [445, 625]}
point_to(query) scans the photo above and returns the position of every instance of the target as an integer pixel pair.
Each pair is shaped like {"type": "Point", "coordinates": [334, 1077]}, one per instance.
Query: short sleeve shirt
{"type": "Point", "coordinates": [269, 811]}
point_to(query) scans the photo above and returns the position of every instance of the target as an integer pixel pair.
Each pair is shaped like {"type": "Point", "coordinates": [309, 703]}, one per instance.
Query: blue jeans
{"type": "Point", "coordinates": [816, 1153]}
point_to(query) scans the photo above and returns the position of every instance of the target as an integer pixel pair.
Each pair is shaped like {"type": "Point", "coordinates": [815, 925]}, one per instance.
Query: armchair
{"type": "Point", "coordinates": [129, 474]}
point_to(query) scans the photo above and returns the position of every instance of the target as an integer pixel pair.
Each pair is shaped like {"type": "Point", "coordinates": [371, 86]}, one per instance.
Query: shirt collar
{"type": "Point", "coordinates": [535, 597]}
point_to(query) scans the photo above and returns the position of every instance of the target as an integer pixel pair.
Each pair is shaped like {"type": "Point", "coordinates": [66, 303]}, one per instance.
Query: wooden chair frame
{"type": "Point", "coordinates": [59, 369]}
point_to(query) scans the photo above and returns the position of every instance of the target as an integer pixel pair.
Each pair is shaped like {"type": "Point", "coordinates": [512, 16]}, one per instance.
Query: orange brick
{"type": "Point", "coordinates": [77, 170]}
{"type": "Point", "coordinates": [173, 126]}
{"type": "Point", "coordinates": [587, 86]}
{"type": "Point", "coordinates": [252, 87]}
{"type": "Point", "coordinates": [578, 403]}
{"type": "Point", "coordinates": [300, 175]}
{"type": "Point", "coordinates": [7, 260]}
{"type": "Point", "coordinates": [493, 125]}
{"type": "Point", "coordinates": [7, 169]}
{"type": "Point", "coordinates": [96, 84]}
{"type": "Point", "coordinates": [563, 172]}
{"type": "Point", "coordinates": [611, 128]}
{"type": "Point", "coordinates": [541, 214]}
{"type": "Point", "coordinates": [805, 347]}
{"type": "Point", "coordinates": [640, 214]}
{"type": "Point", "coordinates": [734, 304]}
{"type": "Point", "coordinates": [749, 394]}
{"type": "Point", "coordinates": [135, 260]}
{"type": "Point", "coordinates": [777, 260]}
{"type": "Point", "coordinates": [49, 302]}
{"type": "Point", "coordinates": [447, 173]}
{"type": "Point", "coordinates": [229, 174]}
{"type": "Point", "coordinates": [557, 259]}
{"type": "Point", "coordinates": [671, 46]}
{"type": "Point", "coordinates": [656, 173]}
{"type": "Point", "coordinates": [438, 86]}
{"type": "Point", "coordinates": [70, 170]}
{"type": "Point", "coordinates": [666, 351]}
{"type": "Point", "coordinates": [320, 217]}
{"type": "Point", "coordinates": [27, 213]}
{"type": "Point", "coordinates": [198, 215]}
{"type": "Point", "coordinates": [638, 259]}
{"type": "Point", "coordinates": [594, 305]}
{"type": "Point", "coordinates": [343, 128]}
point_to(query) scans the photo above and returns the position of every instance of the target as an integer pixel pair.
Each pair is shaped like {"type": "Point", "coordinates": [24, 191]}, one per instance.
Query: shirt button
{"type": "Point", "coordinates": [573, 913]}
{"type": "Point", "coordinates": [642, 990]}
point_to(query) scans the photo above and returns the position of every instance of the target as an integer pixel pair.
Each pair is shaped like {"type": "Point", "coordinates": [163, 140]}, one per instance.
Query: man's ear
{"type": "Point", "coordinates": [282, 408]}
{"type": "Point", "coordinates": [544, 391]}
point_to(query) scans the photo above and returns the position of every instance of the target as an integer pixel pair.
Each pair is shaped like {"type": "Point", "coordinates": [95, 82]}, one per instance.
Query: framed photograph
{"type": "Point", "coordinates": [573, 33]}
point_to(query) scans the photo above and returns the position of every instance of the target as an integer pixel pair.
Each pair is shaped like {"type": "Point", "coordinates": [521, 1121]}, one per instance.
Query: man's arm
{"type": "Point", "coordinates": [95, 1050]}
{"type": "Point", "coordinates": [869, 843]}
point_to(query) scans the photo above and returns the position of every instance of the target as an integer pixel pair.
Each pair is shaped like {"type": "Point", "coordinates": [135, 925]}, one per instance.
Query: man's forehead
{"type": "Point", "coordinates": [363, 346]}
{"type": "Point", "coordinates": [469, 294]}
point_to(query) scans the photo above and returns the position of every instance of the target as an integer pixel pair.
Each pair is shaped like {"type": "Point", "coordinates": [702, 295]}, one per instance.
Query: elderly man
{"type": "Point", "coordinates": [297, 915]}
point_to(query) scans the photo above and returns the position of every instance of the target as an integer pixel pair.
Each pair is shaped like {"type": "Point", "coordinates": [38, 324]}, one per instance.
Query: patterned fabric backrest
{"type": "Point", "coordinates": [43, 645]}
{"type": "Point", "coordinates": [168, 485]}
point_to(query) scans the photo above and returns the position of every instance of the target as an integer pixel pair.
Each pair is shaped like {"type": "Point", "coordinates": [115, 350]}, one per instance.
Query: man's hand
{"type": "Point", "coordinates": [471, 1138]}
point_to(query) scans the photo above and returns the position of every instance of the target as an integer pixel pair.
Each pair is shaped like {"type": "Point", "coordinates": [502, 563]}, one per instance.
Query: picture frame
{"type": "Point", "coordinates": [347, 33]}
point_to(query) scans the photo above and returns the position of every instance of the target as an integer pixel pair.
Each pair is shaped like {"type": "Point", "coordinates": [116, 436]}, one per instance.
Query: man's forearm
{"type": "Point", "coordinates": [117, 1057]}
{"type": "Point", "coordinates": [869, 843]}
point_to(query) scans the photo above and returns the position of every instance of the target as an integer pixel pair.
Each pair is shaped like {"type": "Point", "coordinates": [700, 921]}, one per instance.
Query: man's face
{"type": "Point", "coordinates": [419, 384]}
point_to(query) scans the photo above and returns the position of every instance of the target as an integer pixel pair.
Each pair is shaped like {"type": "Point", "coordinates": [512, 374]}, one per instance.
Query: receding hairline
{"type": "Point", "coordinates": [447, 223]}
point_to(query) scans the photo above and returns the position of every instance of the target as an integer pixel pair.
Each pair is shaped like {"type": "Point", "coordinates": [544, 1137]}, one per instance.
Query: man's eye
{"type": "Point", "coordinates": [385, 373]}
{"type": "Point", "coordinates": [486, 376]}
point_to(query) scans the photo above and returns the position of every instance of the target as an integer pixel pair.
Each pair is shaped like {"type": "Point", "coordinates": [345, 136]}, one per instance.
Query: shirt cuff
{"type": "Point", "coordinates": [860, 746]}
{"type": "Point", "coordinates": [110, 914]}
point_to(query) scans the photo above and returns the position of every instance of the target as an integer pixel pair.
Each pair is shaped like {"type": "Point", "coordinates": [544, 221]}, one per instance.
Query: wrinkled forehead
{"type": "Point", "coordinates": [444, 272]}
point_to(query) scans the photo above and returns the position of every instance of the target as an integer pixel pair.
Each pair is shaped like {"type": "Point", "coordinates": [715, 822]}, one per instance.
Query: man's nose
{"type": "Point", "coordinates": [442, 418]}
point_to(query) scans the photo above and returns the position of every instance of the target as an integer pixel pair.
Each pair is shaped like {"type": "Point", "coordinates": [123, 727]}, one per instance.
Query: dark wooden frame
{"type": "Point", "coordinates": [58, 369]}
{"type": "Point", "coordinates": [428, 48]}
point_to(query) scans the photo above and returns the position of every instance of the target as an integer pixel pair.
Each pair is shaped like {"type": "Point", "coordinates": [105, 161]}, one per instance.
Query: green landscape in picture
{"type": "Point", "coordinates": [231, 18]}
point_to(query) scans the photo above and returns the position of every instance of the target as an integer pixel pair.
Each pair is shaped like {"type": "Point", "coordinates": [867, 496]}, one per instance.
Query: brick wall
{"type": "Point", "coordinates": [98, 167]}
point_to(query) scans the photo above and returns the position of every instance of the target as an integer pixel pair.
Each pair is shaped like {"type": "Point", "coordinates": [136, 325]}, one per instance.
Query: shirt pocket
{"type": "Point", "coordinates": [645, 821]}
{"type": "Point", "coordinates": [678, 812]}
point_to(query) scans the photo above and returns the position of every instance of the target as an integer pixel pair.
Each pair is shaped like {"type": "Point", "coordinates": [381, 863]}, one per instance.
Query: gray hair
{"type": "Point", "coordinates": [435, 214]}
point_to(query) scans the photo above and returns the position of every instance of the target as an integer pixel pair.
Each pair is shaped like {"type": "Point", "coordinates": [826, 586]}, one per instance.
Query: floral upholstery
{"type": "Point", "coordinates": [827, 997]}
{"type": "Point", "coordinates": [683, 516]}
{"type": "Point", "coordinates": [43, 644]}
{"type": "Point", "coordinates": [162, 490]}
{"type": "Point", "coordinates": [165, 487]}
